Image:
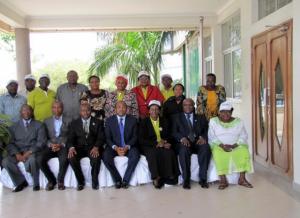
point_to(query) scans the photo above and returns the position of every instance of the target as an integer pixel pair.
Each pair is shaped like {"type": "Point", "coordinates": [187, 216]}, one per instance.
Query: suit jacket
{"type": "Point", "coordinates": [113, 135]}
{"type": "Point", "coordinates": [180, 126]}
{"type": "Point", "coordinates": [77, 137]}
{"type": "Point", "coordinates": [50, 131]}
{"type": "Point", "coordinates": [31, 139]}
{"type": "Point", "coordinates": [152, 94]}
{"type": "Point", "coordinates": [147, 136]}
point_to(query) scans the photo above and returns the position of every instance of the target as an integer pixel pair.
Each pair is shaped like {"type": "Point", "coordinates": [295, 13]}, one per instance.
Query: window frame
{"type": "Point", "coordinates": [230, 51]}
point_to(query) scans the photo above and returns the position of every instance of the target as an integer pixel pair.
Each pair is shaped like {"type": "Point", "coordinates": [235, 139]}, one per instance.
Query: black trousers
{"type": "Point", "coordinates": [95, 164]}
{"type": "Point", "coordinates": [204, 154]}
{"type": "Point", "coordinates": [63, 164]}
{"type": "Point", "coordinates": [162, 162]}
{"type": "Point", "coordinates": [133, 159]}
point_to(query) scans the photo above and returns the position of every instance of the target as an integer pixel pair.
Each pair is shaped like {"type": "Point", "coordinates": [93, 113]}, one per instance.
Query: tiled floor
{"type": "Point", "coordinates": [264, 201]}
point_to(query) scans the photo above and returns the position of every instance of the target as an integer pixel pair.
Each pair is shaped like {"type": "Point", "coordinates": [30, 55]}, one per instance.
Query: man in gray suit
{"type": "Point", "coordinates": [56, 131]}
{"type": "Point", "coordinates": [28, 138]}
{"type": "Point", "coordinates": [70, 93]}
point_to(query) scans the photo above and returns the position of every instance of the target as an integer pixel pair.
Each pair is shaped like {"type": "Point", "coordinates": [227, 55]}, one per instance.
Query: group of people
{"type": "Point", "coordinates": [76, 122]}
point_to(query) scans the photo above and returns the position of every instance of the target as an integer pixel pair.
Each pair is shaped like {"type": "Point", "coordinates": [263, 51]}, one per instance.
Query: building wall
{"type": "Point", "coordinates": [249, 28]}
{"type": "Point", "coordinates": [296, 89]}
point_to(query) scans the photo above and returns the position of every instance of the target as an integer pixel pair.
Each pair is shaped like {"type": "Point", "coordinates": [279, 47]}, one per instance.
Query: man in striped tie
{"type": "Point", "coordinates": [121, 139]}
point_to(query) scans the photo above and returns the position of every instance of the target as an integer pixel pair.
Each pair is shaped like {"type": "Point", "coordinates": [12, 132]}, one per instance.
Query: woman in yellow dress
{"type": "Point", "coordinates": [210, 97]}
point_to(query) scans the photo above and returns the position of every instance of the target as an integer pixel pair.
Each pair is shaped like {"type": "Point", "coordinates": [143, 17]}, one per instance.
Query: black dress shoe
{"type": "Point", "coordinates": [20, 187]}
{"type": "Point", "coordinates": [203, 183]}
{"type": "Point", "coordinates": [118, 185]}
{"type": "Point", "coordinates": [50, 186]}
{"type": "Point", "coordinates": [36, 188]}
{"type": "Point", "coordinates": [95, 186]}
{"type": "Point", "coordinates": [61, 186]}
{"type": "Point", "coordinates": [186, 185]}
{"type": "Point", "coordinates": [125, 185]}
{"type": "Point", "coordinates": [80, 187]}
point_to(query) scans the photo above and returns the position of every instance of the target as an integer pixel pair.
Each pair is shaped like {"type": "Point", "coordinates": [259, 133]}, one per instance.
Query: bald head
{"type": "Point", "coordinates": [26, 112]}
{"type": "Point", "coordinates": [57, 108]}
{"type": "Point", "coordinates": [85, 111]}
{"type": "Point", "coordinates": [188, 105]}
{"type": "Point", "coordinates": [72, 77]}
{"type": "Point", "coordinates": [121, 108]}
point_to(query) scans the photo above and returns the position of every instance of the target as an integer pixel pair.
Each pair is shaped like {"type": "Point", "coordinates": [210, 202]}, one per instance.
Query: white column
{"type": "Point", "coordinates": [200, 49]}
{"type": "Point", "coordinates": [22, 55]}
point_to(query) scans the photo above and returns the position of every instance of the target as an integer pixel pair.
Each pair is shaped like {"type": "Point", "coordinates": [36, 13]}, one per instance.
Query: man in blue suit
{"type": "Point", "coordinates": [121, 139]}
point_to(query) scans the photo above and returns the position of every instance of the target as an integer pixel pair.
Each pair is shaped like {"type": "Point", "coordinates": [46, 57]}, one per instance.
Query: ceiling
{"type": "Point", "coordinates": [42, 14]}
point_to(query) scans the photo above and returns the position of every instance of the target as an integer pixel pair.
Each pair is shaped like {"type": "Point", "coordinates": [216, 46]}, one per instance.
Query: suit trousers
{"type": "Point", "coordinates": [133, 159]}
{"type": "Point", "coordinates": [95, 164]}
{"type": "Point", "coordinates": [31, 166]}
{"type": "Point", "coordinates": [204, 154]}
{"type": "Point", "coordinates": [62, 155]}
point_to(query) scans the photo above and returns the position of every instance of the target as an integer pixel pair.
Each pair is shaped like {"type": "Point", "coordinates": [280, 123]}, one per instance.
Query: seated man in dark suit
{"type": "Point", "coordinates": [121, 138]}
{"type": "Point", "coordinates": [85, 139]}
{"type": "Point", "coordinates": [190, 133]}
{"type": "Point", "coordinates": [56, 130]}
{"type": "Point", "coordinates": [28, 138]}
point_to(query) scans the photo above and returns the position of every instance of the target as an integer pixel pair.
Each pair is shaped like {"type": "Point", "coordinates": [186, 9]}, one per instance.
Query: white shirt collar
{"type": "Point", "coordinates": [59, 119]}
{"type": "Point", "coordinates": [87, 120]}
{"type": "Point", "coordinates": [119, 117]}
{"type": "Point", "coordinates": [28, 121]}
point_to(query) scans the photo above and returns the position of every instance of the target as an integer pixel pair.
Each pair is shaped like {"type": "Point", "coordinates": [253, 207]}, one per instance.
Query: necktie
{"type": "Point", "coordinates": [86, 127]}
{"type": "Point", "coordinates": [121, 127]}
{"type": "Point", "coordinates": [191, 134]}
{"type": "Point", "coordinates": [189, 121]}
{"type": "Point", "coordinates": [26, 125]}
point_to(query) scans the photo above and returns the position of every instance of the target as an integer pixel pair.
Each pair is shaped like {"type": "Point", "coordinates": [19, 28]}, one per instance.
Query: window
{"type": "Point", "coordinates": [266, 7]}
{"type": "Point", "coordinates": [231, 37]}
{"type": "Point", "coordinates": [194, 79]}
{"type": "Point", "coordinates": [207, 55]}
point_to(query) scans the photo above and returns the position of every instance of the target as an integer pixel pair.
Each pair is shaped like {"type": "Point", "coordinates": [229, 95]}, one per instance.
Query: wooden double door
{"type": "Point", "coordinates": [272, 98]}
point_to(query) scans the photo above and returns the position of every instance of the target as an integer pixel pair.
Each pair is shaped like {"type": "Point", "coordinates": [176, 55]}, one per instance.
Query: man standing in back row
{"type": "Point", "coordinates": [70, 94]}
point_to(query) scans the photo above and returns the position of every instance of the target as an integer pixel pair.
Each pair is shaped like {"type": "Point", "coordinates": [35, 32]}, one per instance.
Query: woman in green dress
{"type": "Point", "coordinates": [228, 140]}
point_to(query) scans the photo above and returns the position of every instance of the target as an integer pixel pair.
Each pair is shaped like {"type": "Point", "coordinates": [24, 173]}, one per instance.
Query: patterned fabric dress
{"type": "Point", "coordinates": [128, 97]}
{"type": "Point", "coordinates": [96, 101]}
{"type": "Point", "coordinates": [208, 102]}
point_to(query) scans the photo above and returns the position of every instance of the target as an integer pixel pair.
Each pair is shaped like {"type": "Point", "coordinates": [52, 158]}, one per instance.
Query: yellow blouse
{"type": "Point", "coordinates": [167, 93]}
{"type": "Point", "coordinates": [145, 91]}
{"type": "Point", "coordinates": [120, 96]}
{"type": "Point", "coordinates": [155, 124]}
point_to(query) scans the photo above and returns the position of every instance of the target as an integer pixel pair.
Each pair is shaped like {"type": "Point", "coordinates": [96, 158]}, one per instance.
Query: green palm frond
{"type": "Point", "coordinates": [131, 52]}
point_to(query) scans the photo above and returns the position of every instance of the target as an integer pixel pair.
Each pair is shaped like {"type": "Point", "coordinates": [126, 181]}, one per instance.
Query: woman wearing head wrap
{"type": "Point", "coordinates": [155, 143]}
{"type": "Point", "coordinates": [121, 94]}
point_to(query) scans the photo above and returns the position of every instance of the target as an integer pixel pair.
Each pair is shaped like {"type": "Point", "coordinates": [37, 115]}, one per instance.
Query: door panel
{"type": "Point", "coordinates": [272, 94]}
{"type": "Point", "coordinates": [261, 148]}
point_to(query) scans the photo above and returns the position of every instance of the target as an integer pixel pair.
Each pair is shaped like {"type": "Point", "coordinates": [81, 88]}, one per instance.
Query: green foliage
{"type": "Point", "coordinates": [7, 41]}
{"type": "Point", "coordinates": [130, 53]}
{"type": "Point", "coordinates": [4, 133]}
{"type": "Point", "coordinates": [58, 71]}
